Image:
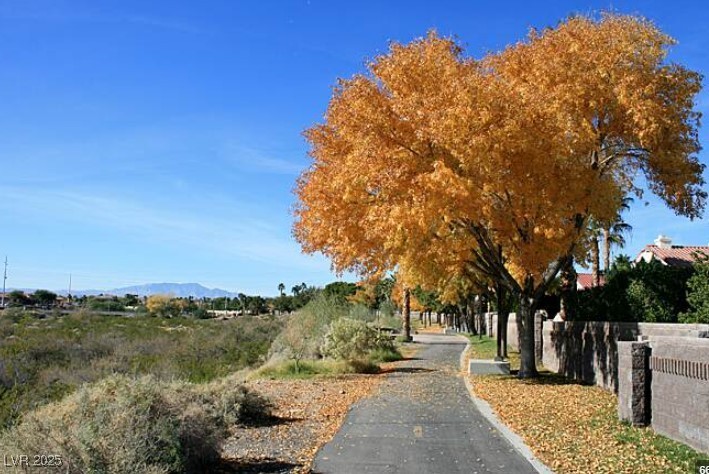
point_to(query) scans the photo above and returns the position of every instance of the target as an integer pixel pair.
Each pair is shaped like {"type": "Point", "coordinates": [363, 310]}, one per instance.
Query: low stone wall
{"type": "Point", "coordinates": [680, 389]}
{"type": "Point", "coordinates": [634, 395]}
{"type": "Point", "coordinates": [660, 371]}
{"type": "Point", "coordinates": [588, 351]}
{"type": "Point", "coordinates": [585, 351]}
{"type": "Point", "coordinates": [512, 333]}
{"type": "Point", "coordinates": [665, 382]}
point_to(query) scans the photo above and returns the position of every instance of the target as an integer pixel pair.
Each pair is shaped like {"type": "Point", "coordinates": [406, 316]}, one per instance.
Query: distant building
{"type": "Point", "coordinates": [585, 281]}
{"type": "Point", "coordinates": [672, 255]}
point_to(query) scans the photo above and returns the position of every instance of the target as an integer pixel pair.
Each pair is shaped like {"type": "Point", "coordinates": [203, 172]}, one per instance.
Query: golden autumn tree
{"type": "Point", "coordinates": [433, 160]}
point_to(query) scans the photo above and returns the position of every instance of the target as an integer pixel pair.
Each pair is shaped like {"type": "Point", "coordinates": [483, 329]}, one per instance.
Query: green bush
{"type": "Point", "coordinates": [650, 292]}
{"type": "Point", "coordinates": [387, 309]}
{"type": "Point", "coordinates": [647, 304]}
{"type": "Point", "coordinates": [121, 424]}
{"type": "Point", "coordinates": [350, 339]}
{"type": "Point", "coordinates": [698, 295]}
{"type": "Point", "coordinates": [301, 369]}
{"type": "Point", "coordinates": [304, 332]}
{"type": "Point", "coordinates": [200, 313]}
{"type": "Point", "coordinates": [361, 313]}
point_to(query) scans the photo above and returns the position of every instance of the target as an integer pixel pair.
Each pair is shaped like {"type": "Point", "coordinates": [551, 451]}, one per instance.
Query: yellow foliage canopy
{"type": "Point", "coordinates": [439, 164]}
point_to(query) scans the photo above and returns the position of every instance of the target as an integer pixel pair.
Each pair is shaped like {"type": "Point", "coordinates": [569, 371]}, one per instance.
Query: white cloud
{"type": "Point", "coordinates": [255, 159]}
{"type": "Point", "coordinates": [235, 235]}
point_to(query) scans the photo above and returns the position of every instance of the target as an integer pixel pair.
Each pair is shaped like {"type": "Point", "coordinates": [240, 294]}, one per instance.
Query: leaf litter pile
{"type": "Point", "coordinates": [306, 414]}
{"type": "Point", "coordinates": [574, 428]}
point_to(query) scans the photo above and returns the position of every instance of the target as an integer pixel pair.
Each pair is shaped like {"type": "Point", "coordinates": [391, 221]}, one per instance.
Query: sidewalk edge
{"type": "Point", "coordinates": [489, 414]}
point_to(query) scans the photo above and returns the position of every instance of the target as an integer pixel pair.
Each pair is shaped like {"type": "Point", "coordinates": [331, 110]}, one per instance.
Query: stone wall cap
{"type": "Point", "coordinates": [687, 341]}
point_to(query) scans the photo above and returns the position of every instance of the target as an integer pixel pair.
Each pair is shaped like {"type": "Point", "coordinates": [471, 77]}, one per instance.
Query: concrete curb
{"type": "Point", "coordinates": [490, 415]}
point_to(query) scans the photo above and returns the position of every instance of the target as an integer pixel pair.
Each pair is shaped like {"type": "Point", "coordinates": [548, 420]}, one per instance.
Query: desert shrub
{"type": "Point", "coordinates": [45, 360]}
{"type": "Point", "coordinates": [200, 313]}
{"type": "Point", "coordinates": [13, 315]}
{"type": "Point", "coordinates": [363, 366]}
{"type": "Point", "coordinates": [361, 312]}
{"type": "Point", "coordinates": [350, 339]}
{"type": "Point", "coordinates": [385, 354]}
{"type": "Point", "coordinates": [387, 309]}
{"type": "Point", "coordinates": [121, 424]}
{"type": "Point", "coordinates": [105, 305]}
{"type": "Point", "coordinates": [304, 332]}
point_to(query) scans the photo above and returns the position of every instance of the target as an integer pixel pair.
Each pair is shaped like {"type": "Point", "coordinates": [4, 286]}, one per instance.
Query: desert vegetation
{"type": "Point", "coordinates": [160, 392]}
{"type": "Point", "coordinates": [140, 425]}
{"type": "Point", "coordinates": [45, 359]}
{"type": "Point", "coordinates": [330, 336]}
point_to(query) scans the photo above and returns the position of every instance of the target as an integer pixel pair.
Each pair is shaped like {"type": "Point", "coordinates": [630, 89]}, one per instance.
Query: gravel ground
{"type": "Point", "coordinates": [307, 415]}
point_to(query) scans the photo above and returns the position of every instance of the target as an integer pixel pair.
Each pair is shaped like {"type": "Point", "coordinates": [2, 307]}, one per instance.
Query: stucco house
{"type": "Point", "coordinates": [673, 255]}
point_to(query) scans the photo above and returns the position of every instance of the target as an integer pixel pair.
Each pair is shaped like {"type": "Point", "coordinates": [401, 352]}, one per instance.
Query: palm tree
{"type": "Point", "coordinates": [594, 233]}
{"type": "Point", "coordinates": [281, 288]}
{"type": "Point", "coordinates": [613, 233]}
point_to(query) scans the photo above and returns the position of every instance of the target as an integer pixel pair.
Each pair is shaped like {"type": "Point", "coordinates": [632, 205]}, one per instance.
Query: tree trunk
{"type": "Point", "coordinates": [528, 364]}
{"type": "Point", "coordinates": [481, 322]}
{"type": "Point", "coordinates": [595, 262]}
{"type": "Point", "coordinates": [503, 316]}
{"type": "Point", "coordinates": [606, 250]}
{"type": "Point", "coordinates": [407, 314]}
{"type": "Point", "coordinates": [568, 291]}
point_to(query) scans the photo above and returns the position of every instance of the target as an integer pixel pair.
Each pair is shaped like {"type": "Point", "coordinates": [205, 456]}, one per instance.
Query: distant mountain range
{"type": "Point", "coordinates": [183, 290]}
{"type": "Point", "coordinates": [176, 289]}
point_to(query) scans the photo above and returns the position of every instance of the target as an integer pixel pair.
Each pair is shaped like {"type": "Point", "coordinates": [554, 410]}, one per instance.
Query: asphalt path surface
{"type": "Point", "coordinates": [421, 420]}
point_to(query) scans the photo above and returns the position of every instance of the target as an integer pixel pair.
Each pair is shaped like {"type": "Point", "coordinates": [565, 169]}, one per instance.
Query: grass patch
{"type": "Point", "coordinates": [482, 347]}
{"type": "Point", "coordinates": [313, 368]}
{"type": "Point", "coordinates": [381, 354]}
{"type": "Point", "coordinates": [485, 347]}
{"type": "Point", "coordinates": [43, 360]}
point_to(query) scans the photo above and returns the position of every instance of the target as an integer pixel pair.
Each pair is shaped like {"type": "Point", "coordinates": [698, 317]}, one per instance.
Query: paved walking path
{"type": "Point", "coordinates": [421, 421]}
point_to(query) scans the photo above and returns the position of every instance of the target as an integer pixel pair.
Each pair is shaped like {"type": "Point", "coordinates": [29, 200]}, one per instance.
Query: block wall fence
{"type": "Point", "coordinates": [659, 371]}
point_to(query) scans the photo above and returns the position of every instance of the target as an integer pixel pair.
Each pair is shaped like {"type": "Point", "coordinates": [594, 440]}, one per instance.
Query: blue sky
{"type": "Point", "coordinates": [159, 141]}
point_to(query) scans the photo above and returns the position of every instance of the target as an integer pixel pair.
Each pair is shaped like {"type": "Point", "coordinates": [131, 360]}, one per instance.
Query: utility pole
{"type": "Point", "coordinates": [69, 294]}
{"type": "Point", "coordinates": [4, 279]}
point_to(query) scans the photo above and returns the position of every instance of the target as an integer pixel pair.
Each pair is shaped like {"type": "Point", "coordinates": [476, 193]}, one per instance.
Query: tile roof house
{"type": "Point", "coordinates": [673, 255]}
{"type": "Point", "coordinates": [585, 281]}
